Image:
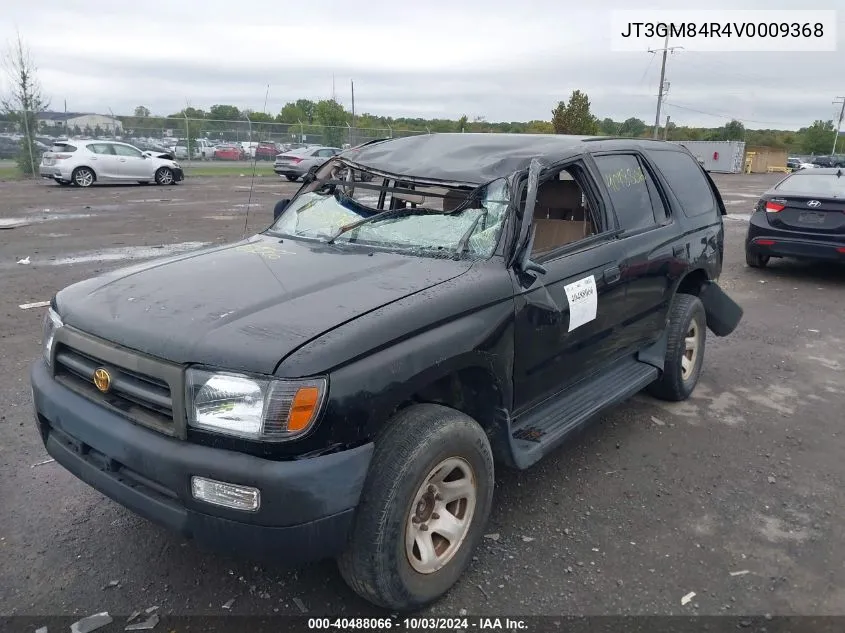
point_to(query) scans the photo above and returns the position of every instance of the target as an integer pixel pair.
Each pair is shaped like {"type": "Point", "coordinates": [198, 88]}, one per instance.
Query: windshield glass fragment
{"type": "Point", "coordinates": [424, 218]}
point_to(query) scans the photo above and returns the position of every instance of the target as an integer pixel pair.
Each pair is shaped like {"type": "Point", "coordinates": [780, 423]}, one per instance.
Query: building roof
{"type": "Point", "coordinates": [477, 158]}
{"type": "Point", "coordinates": [64, 116]}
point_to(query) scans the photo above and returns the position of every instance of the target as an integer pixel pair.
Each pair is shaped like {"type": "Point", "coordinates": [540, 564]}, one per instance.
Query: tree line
{"type": "Point", "coordinates": [573, 116]}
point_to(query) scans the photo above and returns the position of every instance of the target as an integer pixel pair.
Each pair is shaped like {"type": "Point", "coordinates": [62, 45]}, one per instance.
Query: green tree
{"type": "Point", "coordinates": [333, 118]}
{"type": "Point", "coordinates": [574, 117]}
{"type": "Point", "coordinates": [142, 112]}
{"type": "Point", "coordinates": [632, 127]}
{"type": "Point", "coordinates": [462, 124]}
{"type": "Point", "coordinates": [98, 131]}
{"type": "Point", "coordinates": [733, 131]}
{"type": "Point", "coordinates": [818, 138]}
{"type": "Point", "coordinates": [224, 113]}
{"type": "Point", "coordinates": [24, 101]}
{"type": "Point", "coordinates": [539, 127]}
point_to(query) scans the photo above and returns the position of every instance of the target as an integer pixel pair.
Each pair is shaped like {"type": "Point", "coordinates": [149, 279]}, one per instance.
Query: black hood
{"type": "Point", "coordinates": [244, 306]}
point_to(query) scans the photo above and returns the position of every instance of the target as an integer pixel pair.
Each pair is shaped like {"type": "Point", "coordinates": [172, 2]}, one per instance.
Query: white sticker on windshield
{"type": "Point", "coordinates": [583, 301]}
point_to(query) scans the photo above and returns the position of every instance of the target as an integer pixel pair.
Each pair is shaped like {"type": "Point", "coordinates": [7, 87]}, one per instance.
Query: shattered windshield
{"type": "Point", "coordinates": [425, 219]}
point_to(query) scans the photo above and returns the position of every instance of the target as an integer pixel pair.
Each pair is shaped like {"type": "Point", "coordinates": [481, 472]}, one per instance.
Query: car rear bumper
{"type": "Point", "coordinates": [289, 170]}
{"type": "Point", "coordinates": [764, 239]}
{"type": "Point", "coordinates": [52, 172]}
{"type": "Point", "coordinates": [306, 505]}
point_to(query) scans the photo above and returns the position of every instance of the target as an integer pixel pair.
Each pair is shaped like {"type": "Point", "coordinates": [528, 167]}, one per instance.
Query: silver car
{"type": "Point", "coordinates": [298, 162]}
{"type": "Point", "coordinates": [84, 162]}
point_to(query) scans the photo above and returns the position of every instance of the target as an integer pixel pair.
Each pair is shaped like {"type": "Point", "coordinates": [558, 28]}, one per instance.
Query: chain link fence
{"type": "Point", "coordinates": [161, 130]}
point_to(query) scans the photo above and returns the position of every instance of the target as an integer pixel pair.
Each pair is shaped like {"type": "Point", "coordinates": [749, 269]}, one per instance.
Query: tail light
{"type": "Point", "coordinates": [765, 242]}
{"type": "Point", "coordinates": [774, 206]}
{"type": "Point", "coordinates": [62, 156]}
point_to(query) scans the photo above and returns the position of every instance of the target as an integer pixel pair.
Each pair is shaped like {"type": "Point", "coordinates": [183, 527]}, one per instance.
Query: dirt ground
{"type": "Point", "coordinates": [736, 495]}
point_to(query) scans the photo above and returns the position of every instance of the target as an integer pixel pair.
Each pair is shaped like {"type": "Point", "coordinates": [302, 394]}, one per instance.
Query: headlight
{"type": "Point", "coordinates": [252, 407]}
{"type": "Point", "coordinates": [52, 322]}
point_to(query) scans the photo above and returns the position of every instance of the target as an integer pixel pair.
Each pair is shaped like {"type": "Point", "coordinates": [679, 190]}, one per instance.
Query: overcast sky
{"type": "Point", "coordinates": [505, 61]}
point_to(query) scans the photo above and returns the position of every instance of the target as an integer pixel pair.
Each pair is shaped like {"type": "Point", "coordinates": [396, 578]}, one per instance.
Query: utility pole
{"type": "Point", "coordinates": [839, 124]}
{"type": "Point", "coordinates": [352, 84]}
{"type": "Point", "coordinates": [663, 87]}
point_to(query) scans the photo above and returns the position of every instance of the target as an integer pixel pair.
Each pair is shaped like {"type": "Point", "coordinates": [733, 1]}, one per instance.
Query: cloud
{"type": "Point", "coordinates": [501, 60]}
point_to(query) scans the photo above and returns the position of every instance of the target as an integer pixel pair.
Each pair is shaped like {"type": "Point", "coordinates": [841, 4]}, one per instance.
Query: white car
{"type": "Point", "coordinates": [84, 162]}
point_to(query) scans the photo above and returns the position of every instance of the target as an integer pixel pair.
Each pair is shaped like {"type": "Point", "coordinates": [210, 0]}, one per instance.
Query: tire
{"type": "Point", "coordinates": [377, 563]}
{"type": "Point", "coordinates": [164, 176]}
{"type": "Point", "coordinates": [83, 177]}
{"type": "Point", "coordinates": [755, 260]}
{"type": "Point", "coordinates": [64, 183]}
{"type": "Point", "coordinates": [687, 336]}
{"type": "Point", "coordinates": [292, 178]}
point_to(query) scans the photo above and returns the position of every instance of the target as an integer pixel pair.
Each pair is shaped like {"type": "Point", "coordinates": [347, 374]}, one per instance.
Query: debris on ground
{"type": "Point", "coordinates": [772, 479]}
{"type": "Point", "coordinates": [112, 583]}
{"type": "Point", "coordinates": [37, 304]}
{"type": "Point", "coordinates": [740, 573]}
{"type": "Point", "coordinates": [300, 605]}
{"type": "Point", "coordinates": [151, 610]}
{"type": "Point", "coordinates": [146, 625]}
{"type": "Point", "coordinates": [134, 615]}
{"type": "Point", "coordinates": [481, 589]}
{"type": "Point", "coordinates": [527, 539]}
{"type": "Point", "coordinates": [462, 612]}
{"type": "Point", "coordinates": [24, 261]}
{"type": "Point", "coordinates": [228, 604]}
{"type": "Point", "coordinates": [658, 421]}
{"type": "Point", "coordinates": [42, 629]}
{"type": "Point", "coordinates": [492, 537]}
{"type": "Point", "coordinates": [91, 623]}
{"type": "Point", "coordinates": [686, 599]}
{"type": "Point", "coordinates": [813, 331]}
{"type": "Point", "coordinates": [46, 461]}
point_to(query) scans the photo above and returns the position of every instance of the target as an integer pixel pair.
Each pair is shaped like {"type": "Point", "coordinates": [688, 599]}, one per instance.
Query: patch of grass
{"type": "Point", "coordinates": [10, 172]}
{"type": "Point", "coordinates": [228, 170]}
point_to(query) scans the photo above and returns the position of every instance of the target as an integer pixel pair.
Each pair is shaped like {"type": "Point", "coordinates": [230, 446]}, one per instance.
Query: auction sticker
{"type": "Point", "coordinates": [583, 301]}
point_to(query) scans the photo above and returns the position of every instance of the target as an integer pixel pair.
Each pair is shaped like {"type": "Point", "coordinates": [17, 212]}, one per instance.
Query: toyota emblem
{"type": "Point", "coordinates": [813, 203]}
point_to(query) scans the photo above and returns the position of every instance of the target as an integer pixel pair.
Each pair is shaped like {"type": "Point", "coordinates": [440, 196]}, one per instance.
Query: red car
{"type": "Point", "coordinates": [228, 152]}
{"type": "Point", "coordinates": [266, 151]}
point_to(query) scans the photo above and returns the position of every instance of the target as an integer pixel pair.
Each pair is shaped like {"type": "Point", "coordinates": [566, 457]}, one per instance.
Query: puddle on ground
{"type": "Point", "coordinates": [126, 252]}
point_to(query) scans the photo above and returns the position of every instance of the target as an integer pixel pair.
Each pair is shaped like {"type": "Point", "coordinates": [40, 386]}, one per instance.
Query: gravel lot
{"type": "Point", "coordinates": [736, 495]}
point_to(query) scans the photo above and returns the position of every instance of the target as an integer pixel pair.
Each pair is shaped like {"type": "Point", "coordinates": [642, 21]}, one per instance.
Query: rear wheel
{"type": "Point", "coordinates": [423, 509]}
{"type": "Point", "coordinates": [164, 176]}
{"type": "Point", "coordinates": [83, 177]}
{"type": "Point", "coordinates": [756, 260]}
{"type": "Point", "coordinates": [687, 334]}
{"type": "Point", "coordinates": [292, 178]}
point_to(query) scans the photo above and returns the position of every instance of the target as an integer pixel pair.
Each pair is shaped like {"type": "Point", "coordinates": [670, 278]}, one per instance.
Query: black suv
{"type": "Point", "coordinates": [342, 384]}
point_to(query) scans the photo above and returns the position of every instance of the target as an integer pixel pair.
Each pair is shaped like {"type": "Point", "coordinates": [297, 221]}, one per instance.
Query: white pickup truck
{"type": "Point", "coordinates": [200, 148]}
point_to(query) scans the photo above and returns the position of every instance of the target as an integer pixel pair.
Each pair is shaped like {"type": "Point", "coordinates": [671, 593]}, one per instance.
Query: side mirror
{"type": "Point", "coordinates": [280, 207]}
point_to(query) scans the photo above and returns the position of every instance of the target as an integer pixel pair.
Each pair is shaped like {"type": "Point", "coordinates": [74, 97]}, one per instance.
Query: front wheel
{"type": "Point", "coordinates": [164, 176]}
{"type": "Point", "coordinates": [687, 333]}
{"type": "Point", "coordinates": [292, 178]}
{"type": "Point", "coordinates": [423, 509]}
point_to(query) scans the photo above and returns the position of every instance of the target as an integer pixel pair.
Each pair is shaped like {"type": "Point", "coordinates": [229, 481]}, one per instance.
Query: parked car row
{"type": "Point", "coordinates": [810, 162]}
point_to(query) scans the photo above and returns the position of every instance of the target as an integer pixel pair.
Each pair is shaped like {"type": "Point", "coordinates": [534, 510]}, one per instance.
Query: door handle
{"type": "Point", "coordinates": [612, 275]}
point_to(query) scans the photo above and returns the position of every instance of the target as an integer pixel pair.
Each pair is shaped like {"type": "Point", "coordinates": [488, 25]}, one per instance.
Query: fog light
{"type": "Point", "coordinates": [220, 493]}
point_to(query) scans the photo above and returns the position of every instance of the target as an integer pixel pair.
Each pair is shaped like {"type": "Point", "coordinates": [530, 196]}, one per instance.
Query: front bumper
{"type": "Point", "coordinates": [178, 174]}
{"type": "Point", "coordinates": [306, 505]}
{"type": "Point", "coordinates": [764, 239]}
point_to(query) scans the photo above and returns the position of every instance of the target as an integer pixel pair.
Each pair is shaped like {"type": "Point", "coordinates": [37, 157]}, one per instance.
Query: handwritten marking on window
{"type": "Point", "coordinates": [624, 178]}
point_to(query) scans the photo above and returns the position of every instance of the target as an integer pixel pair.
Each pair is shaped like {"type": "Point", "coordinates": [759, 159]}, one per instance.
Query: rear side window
{"type": "Point", "coordinates": [101, 148]}
{"type": "Point", "coordinates": [690, 186]}
{"type": "Point", "coordinates": [628, 185]}
{"type": "Point", "coordinates": [64, 148]}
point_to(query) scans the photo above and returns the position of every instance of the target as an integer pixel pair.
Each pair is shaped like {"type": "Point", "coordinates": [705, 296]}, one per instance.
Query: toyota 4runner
{"type": "Point", "coordinates": [341, 384]}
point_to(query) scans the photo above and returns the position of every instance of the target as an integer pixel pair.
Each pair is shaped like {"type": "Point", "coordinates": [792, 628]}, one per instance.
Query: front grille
{"type": "Point", "coordinates": [144, 390]}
